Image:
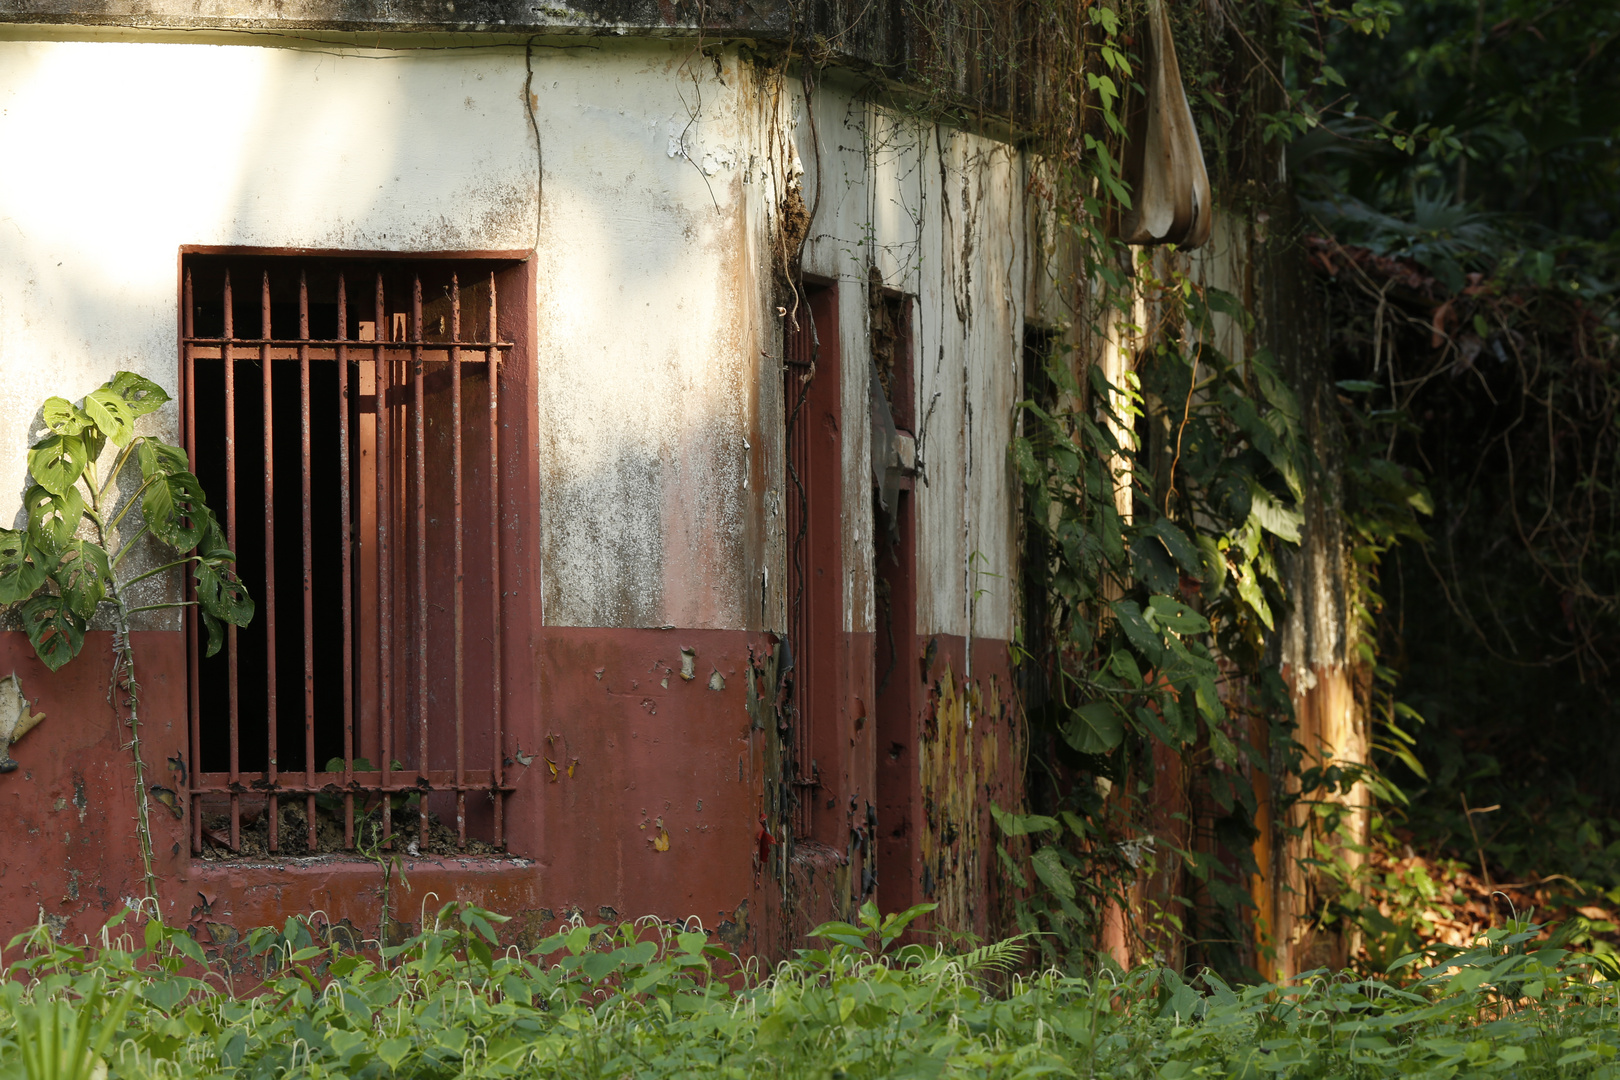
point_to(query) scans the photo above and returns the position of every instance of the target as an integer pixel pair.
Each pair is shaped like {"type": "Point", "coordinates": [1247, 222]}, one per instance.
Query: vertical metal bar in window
{"type": "Point", "coordinates": [309, 560]}
{"type": "Point", "coordinates": [274, 810]}
{"type": "Point", "coordinates": [385, 565]}
{"type": "Point", "coordinates": [797, 373]}
{"type": "Point", "coordinates": [419, 461]}
{"type": "Point", "coordinates": [188, 391]}
{"type": "Point", "coordinates": [493, 370]}
{"type": "Point", "coordinates": [346, 541]}
{"type": "Point", "coordinates": [228, 360]}
{"type": "Point", "coordinates": [455, 469]}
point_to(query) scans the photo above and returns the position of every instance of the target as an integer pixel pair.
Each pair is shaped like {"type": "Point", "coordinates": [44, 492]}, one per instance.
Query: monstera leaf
{"type": "Point", "coordinates": [62, 417]}
{"type": "Point", "coordinates": [53, 518]}
{"type": "Point", "coordinates": [112, 415]}
{"type": "Point", "coordinates": [56, 631]}
{"type": "Point", "coordinates": [220, 594]}
{"type": "Point", "coordinates": [20, 572]}
{"type": "Point", "coordinates": [83, 573]}
{"type": "Point", "coordinates": [159, 457]}
{"type": "Point", "coordinates": [175, 509]}
{"type": "Point", "coordinates": [57, 461]}
{"type": "Point", "coordinates": [139, 394]}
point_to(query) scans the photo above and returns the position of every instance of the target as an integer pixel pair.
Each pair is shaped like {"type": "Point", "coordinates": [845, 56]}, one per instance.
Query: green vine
{"type": "Point", "coordinates": [1164, 491]}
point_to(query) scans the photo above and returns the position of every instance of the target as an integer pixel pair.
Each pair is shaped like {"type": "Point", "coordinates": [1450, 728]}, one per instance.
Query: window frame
{"type": "Point", "coordinates": [512, 536]}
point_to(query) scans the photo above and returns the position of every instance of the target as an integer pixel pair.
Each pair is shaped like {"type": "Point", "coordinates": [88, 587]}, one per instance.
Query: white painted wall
{"type": "Point", "coordinates": [658, 393]}
{"type": "Point", "coordinates": [941, 214]}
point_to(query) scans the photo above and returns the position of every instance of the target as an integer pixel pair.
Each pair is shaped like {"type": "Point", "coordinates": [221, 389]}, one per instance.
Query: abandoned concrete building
{"type": "Point", "coordinates": [557, 502]}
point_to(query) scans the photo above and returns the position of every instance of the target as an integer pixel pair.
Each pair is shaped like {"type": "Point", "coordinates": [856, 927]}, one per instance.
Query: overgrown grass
{"type": "Point", "coordinates": [652, 1000]}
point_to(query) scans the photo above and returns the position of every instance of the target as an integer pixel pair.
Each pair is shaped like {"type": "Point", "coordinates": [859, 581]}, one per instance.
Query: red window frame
{"type": "Point", "coordinates": [433, 499]}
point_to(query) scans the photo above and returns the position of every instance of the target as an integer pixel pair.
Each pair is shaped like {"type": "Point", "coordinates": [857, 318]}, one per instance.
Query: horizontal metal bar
{"type": "Point", "coordinates": [333, 782]}
{"type": "Point", "coordinates": [291, 343]}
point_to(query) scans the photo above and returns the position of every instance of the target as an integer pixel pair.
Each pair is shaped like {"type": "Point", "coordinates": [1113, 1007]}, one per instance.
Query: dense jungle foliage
{"type": "Point", "coordinates": [1464, 193]}
{"type": "Point", "coordinates": [1456, 165]}
{"type": "Point", "coordinates": [655, 1001]}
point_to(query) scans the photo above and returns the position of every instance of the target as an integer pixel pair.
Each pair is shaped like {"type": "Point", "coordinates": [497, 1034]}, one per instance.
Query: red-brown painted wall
{"type": "Point", "coordinates": [660, 814]}
{"type": "Point", "coordinates": [68, 851]}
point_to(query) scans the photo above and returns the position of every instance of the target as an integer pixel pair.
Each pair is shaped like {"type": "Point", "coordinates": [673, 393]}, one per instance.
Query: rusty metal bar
{"type": "Point", "coordinates": [797, 372]}
{"type": "Point", "coordinates": [188, 394]}
{"type": "Point", "coordinates": [455, 470]}
{"type": "Point", "coordinates": [333, 783]}
{"type": "Point", "coordinates": [347, 542]}
{"type": "Point", "coordinates": [273, 815]}
{"type": "Point", "coordinates": [419, 455]}
{"type": "Point", "coordinates": [309, 556]}
{"type": "Point", "coordinates": [493, 368]}
{"type": "Point", "coordinates": [229, 364]}
{"type": "Point", "coordinates": [385, 566]}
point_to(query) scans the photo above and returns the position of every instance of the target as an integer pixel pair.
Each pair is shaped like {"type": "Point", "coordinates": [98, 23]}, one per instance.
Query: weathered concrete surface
{"type": "Point", "coordinates": [769, 17]}
{"type": "Point", "coordinates": [650, 342]}
{"type": "Point", "coordinates": [940, 214]}
{"type": "Point", "coordinates": [660, 813]}
{"type": "Point", "coordinates": [68, 854]}
{"type": "Point", "coordinates": [651, 206]}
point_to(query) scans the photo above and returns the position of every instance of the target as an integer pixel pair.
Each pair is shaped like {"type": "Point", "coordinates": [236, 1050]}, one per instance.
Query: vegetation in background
{"type": "Point", "coordinates": [1465, 188]}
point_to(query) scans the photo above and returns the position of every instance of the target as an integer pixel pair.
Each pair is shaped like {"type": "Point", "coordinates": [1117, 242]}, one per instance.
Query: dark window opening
{"type": "Point", "coordinates": [897, 678]}
{"type": "Point", "coordinates": [342, 417]}
{"type": "Point", "coordinates": [891, 353]}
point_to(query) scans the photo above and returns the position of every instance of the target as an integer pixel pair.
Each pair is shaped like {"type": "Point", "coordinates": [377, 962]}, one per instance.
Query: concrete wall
{"type": "Point", "coordinates": [940, 213]}
{"type": "Point", "coordinates": [650, 202]}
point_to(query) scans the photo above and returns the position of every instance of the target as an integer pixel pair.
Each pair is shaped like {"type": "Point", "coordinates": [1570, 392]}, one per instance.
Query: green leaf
{"type": "Point", "coordinates": [1272, 385]}
{"type": "Point", "coordinates": [216, 639]}
{"type": "Point", "coordinates": [156, 456]}
{"type": "Point", "coordinates": [20, 572]}
{"type": "Point", "coordinates": [1277, 519]}
{"type": "Point", "coordinates": [175, 509]}
{"type": "Point", "coordinates": [1214, 565]}
{"type": "Point", "coordinates": [598, 964]}
{"type": "Point", "coordinates": [55, 631]}
{"type": "Point", "coordinates": [82, 572]}
{"type": "Point", "coordinates": [1021, 824]}
{"type": "Point", "coordinates": [57, 462]}
{"type": "Point", "coordinates": [139, 394]}
{"type": "Point", "coordinates": [1181, 549]}
{"type": "Point", "coordinates": [220, 594]}
{"type": "Point", "coordinates": [1123, 664]}
{"type": "Point", "coordinates": [53, 518]}
{"type": "Point", "coordinates": [1224, 302]}
{"type": "Point", "coordinates": [63, 417]}
{"type": "Point", "coordinates": [1174, 615]}
{"type": "Point", "coordinates": [394, 1051]}
{"type": "Point", "coordinates": [112, 415]}
{"type": "Point", "coordinates": [1152, 565]}
{"type": "Point", "coordinates": [1151, 722]}
{"type": "Point", "coordinates": [213, 546]}
{"type": "Point", "coordinates": [1137, 630]}
{"type": "Point", "coordinates": [1094, 728]}
{"type": "Point", "coordinates": [1048, 863]}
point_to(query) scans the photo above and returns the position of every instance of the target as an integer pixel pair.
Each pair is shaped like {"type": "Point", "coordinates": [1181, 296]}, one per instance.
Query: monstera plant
{"type": "Point", "coordinates": [68, 562]}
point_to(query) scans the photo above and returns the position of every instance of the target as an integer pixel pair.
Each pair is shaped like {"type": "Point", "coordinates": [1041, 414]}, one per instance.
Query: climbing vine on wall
{"type": "Point", "coordinates": [1163, 494]}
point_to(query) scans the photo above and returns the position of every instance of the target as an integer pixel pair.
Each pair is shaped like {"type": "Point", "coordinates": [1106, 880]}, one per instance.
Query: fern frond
{"type": "Point", "coordinates": [1001, 956]}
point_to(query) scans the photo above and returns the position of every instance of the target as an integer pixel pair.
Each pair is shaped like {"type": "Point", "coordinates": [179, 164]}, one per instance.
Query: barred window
{"type": "Point", "coordinates": [357, 421]}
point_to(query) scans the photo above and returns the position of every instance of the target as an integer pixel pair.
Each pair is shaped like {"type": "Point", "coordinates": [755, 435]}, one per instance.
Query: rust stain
{"type": "Point", "coordinates": [966, 743]}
